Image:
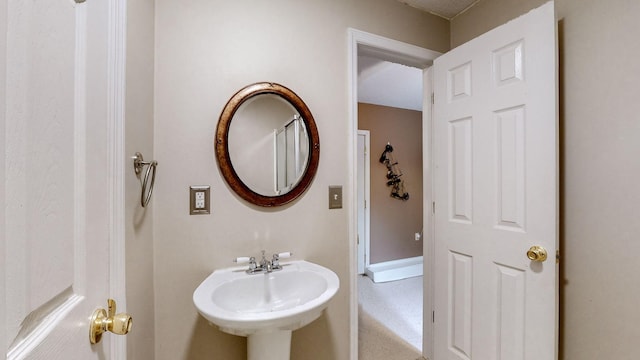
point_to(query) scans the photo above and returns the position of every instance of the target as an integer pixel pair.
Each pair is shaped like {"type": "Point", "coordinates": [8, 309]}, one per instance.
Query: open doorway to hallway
{"type": "Point", "coordinates": [380, 48]}
{"type": "Point", "coordinates": [384, 49]}
{"type": "Point", "coordinates": [389, 201]}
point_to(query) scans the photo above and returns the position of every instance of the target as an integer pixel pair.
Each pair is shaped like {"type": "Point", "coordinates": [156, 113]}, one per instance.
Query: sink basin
{"type": "Point", "coordinates": [266, 307]}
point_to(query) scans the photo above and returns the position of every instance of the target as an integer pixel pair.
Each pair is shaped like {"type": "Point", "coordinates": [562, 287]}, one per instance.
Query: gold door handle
{"type": "Point", "coordinates": [101, 322]}
{"type": "Point", "coordinates": [537, 253]}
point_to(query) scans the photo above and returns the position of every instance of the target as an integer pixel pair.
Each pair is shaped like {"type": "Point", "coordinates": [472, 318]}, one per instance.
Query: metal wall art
{"type": "Point", "coordinates": [393, 174]}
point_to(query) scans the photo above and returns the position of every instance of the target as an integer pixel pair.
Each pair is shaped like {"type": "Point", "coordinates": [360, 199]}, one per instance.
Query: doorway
{"type": "Point", "coordinates": [400, 53]}
{"type": "Point", "coordinates": [486, 218]}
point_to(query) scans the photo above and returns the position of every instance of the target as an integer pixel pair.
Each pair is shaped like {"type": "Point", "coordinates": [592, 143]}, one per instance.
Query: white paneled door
{"type": "Point", "coordinates": [61, 176]}
{"type": "Point", "coordinates": [496, 194]}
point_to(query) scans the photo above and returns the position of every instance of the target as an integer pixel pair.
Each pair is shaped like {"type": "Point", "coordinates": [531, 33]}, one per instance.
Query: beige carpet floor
{"type": "Point", "coordinates": [396, 304]}
{"type": "Point", "coordinates": [390, 319]}
{"type": "Point", "coordinates": [376, 342]}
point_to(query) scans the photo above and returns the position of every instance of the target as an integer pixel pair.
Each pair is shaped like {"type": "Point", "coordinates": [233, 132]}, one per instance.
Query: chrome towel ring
{"type": "Point", "coordinates": [138, 165]}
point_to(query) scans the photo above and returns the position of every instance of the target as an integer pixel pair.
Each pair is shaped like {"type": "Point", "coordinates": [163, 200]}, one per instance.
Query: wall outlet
{"type": "Point", "coordinates": [199, 203]}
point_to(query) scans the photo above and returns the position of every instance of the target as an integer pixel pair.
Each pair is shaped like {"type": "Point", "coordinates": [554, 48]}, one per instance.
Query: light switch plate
{"type": "Point", "coordinates": [335, 197]}
{"type": "Point", "coordinates": [199, 203]}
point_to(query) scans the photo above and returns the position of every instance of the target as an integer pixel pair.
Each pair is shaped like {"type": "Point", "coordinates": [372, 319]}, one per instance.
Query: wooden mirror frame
{"type": "Point", "coordinates": [222, 144]}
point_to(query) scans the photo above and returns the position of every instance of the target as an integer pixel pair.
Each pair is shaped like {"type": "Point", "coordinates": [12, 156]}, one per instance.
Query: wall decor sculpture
{"type": "Point", "coordinates": [393, 174]}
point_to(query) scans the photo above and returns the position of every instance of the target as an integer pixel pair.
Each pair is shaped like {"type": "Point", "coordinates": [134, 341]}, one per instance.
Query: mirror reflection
{"type": "Point", "coordinates": [268, 145]}
{"type": "Point", "coordinates": [291, 154]}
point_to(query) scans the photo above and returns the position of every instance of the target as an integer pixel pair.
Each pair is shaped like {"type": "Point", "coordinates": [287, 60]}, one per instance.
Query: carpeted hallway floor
{"type": "Point", "coordinates": [390, 319]}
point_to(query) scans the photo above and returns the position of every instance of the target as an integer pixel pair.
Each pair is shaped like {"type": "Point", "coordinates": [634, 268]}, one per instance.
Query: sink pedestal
{"type": "Point", "coordinates": [272, 345]}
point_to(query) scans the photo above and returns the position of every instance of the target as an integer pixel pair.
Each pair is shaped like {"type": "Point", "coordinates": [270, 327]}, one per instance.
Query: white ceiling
{"type": "Point", "coordinates": [389, 84]}
{"type": "Point", "coordinates": [444, 8]}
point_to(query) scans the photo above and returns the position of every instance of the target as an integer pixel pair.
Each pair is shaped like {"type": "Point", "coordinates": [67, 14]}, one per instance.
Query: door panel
{"type": "Point", "coordinates": [496, 175]}
{"type": "Point", "coordinates": [58, 178]}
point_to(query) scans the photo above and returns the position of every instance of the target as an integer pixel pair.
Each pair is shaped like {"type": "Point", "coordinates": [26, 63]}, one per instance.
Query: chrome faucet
{"type": "Point", "coordinates": [265, 266]}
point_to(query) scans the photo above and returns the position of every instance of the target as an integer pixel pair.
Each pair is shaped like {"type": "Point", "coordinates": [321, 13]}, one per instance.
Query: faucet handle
{"type": "Point", "coordinates": [246, 259]}
{"type": "Point", "coordinates": [275, 261]}
{"type": "Point", "coordinates": [242, 260]}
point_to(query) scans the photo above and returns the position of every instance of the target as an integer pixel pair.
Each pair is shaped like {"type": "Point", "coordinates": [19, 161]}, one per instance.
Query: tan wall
{"type": "Point", "coordinates": [600, 132]}
{"type": "Point", "coordinates": [205, 51]}
{"type": "Point", "coordinates": [139, 137]}
{"type": "Point", "coordinates": [394, 222]}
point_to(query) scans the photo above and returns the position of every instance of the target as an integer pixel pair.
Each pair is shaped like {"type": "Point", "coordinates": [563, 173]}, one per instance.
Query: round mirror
{"type": "Point", "coordinates": [267, 144]}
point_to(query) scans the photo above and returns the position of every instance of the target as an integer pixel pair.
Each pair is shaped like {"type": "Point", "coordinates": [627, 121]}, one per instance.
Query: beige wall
{"type": "Point", "coordinates": [3, 107]}
{"type": "Point", "coordinates": [139, 137]}
{"type": "Point", "coordinates": [394, 222]}
{"type": "Point", "coordinates": [600, 143]}
{"type": "Point", "coordinates": [205, 51]}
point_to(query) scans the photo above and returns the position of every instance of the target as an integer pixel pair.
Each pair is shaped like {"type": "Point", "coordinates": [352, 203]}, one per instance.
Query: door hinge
{"type": "Point", "coordinates": [433, 98]}
{"type": "Point", "coordinates": [433, 206]}
{"type": "Point", "coordinates": [557, 256]}
{"type": "Point", "coordinates": [365, 204]}
{"type": "Point", "coordinates": [433, 316]}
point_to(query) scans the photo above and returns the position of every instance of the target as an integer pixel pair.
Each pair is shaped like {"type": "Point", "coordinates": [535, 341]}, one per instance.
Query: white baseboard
{"type": "Point", "coordinates": [395, 269]}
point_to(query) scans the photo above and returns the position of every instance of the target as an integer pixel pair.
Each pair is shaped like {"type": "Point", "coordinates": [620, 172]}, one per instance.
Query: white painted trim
{"type": "Point", "coordinates": [392, 50]}
{"type": "Point", "coordinates": [352, 188]}
{"type": "Point", "coordinates": [116, 60]}
{"type": "Point", "coordinates": [367, 199]}
{"type": "Point", "coordinates": [395, 269]}
{"type": "Point", "coordinates": [402, 53]}
{"type": "Point", "coordinates": [428, 232]}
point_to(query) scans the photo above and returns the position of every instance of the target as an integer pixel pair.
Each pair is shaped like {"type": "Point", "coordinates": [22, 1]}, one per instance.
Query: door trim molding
{"type": "Point", "coordinates": [116, 62]}
{"type": "Point", "coordinates": [367, 198]}
{"type": "Point", "coordinates": [392, 50]}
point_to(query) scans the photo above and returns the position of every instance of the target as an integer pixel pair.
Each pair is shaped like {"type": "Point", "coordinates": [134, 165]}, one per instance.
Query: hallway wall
{"type": "Point", "coordinates": [394, 222]}
{"type": "Point", "coordinates": [599, 132]}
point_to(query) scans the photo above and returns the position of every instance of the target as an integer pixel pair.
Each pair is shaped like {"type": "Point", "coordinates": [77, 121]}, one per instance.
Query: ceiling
{"type": "Point", "coordinates": [389, 84]}
{"type": "Point", "coordinates": [386, 83]}
{"type": "Point", "coordinates": [447, 9]}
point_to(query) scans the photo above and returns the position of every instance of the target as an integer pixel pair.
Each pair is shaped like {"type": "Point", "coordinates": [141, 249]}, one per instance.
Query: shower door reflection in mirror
{"type": "Point", "coordinates": [291, 147]}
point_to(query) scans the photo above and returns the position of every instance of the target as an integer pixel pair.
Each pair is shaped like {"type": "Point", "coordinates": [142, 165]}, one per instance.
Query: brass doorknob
{"type": "Point", "coordinates": [537, 253]}
{"type": "Point", "coordinates": [101, 321]}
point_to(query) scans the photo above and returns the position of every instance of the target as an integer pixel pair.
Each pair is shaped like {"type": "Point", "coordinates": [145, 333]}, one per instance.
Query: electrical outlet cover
{"type": "Point", "coordinates": [199, 203]}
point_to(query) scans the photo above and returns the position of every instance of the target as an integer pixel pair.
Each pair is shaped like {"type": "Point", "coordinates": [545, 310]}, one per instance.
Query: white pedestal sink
{"type": "Point", "coordinates": [266, 307]}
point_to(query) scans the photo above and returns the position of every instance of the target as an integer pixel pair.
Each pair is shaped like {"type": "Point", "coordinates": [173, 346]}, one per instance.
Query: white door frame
{"type": "Point", "coordinates": [406, 54]}
{"type": "Point", "coordinates": [364, 249]}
